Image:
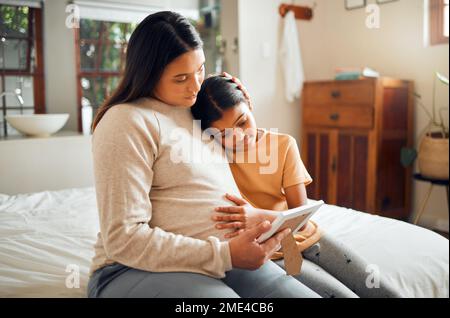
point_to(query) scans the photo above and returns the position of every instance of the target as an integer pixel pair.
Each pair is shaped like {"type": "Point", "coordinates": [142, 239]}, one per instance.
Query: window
{"type": "Point", "coordinates": [21, 63]}
{"type": "Point", "coordinates": [439, 21]}
{"type": "Point", "coordinates": [208, 25]}
{"type": "Point", "coordinates": [101, 49]}
{"type": "Point", "coordinates": [101, 45]}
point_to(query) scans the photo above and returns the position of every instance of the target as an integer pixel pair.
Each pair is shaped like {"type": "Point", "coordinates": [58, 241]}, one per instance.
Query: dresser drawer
{"type": "Point", "coordinates": [339, 116]}
{"type": "Point", "coordinates": [344, 93]}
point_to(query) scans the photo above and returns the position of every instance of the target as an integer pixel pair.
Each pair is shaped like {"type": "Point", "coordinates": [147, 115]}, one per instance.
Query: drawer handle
{"type": "Point", "coordinates": [336, 94]}
{"type": "Point", "coordinates": [335, 116]}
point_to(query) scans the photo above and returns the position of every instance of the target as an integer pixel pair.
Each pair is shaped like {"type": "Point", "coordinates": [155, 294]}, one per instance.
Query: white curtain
{"type": "Point", "coordinates": [124, 12]}
{"type": "Point", "coordinates": [24, 3]}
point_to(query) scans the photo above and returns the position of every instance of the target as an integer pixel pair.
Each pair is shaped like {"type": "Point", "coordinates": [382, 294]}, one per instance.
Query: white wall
{"type": "Point", "coordinates": [259, 27]}
{"type": "Point", "coordinates": [59, 59]}
{"type": "Point", "coordinates": [229, 29]}
{"type": "Point", "coordinates": [335, 38]}
{"type": "Point", "coordinates": [61, 162]}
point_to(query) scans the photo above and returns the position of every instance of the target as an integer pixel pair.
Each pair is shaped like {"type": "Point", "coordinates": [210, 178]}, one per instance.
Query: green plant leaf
{"type": "Point", "coordinates": [442, 78]}
{"type": "Point", "coordinates": [408, 156]}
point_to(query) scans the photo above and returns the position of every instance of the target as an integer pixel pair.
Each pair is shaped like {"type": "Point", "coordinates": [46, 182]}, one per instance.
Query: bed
{"type": "Point", "coordinates": [47, 237]}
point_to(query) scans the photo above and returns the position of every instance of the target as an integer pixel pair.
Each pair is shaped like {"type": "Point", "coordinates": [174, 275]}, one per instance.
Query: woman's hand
{"type": "Point", "coordinates": [241, 87]}
{"type": "Point", "coordinates": [240, 217]}
{"type": "Point", "coordinates": [247, 253]}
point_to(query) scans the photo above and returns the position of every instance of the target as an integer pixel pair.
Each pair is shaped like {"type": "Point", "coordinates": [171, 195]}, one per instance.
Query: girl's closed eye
{"type": "Point", "coordinates": [242, 123]}
{"type": "Point", "coordinates": [181, 79]}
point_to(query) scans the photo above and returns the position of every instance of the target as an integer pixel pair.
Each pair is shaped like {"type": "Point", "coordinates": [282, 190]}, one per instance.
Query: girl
{"type": "Point", "coordinates": [276, 178]}
{"type": "Point", "coordinates": [271, 177]}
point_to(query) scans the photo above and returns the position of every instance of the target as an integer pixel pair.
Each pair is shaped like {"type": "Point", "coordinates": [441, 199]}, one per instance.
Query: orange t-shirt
{"type": "Point", "coordinates": [274, 165]}
{"type": "Point", "coordinates": [262, 181]}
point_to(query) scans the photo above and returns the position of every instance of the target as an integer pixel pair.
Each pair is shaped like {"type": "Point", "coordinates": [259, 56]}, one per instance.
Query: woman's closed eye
{"type": "Point", "coordinates": [181, 79]}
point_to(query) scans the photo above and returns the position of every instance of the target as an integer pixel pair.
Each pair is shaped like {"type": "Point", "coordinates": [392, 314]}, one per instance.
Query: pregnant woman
{"type": "Point", "coordinates": [155, 197]}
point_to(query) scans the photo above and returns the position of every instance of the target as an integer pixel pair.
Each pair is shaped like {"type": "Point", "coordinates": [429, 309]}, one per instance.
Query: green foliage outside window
{"type": "Point", "coordinates": [102, 57]}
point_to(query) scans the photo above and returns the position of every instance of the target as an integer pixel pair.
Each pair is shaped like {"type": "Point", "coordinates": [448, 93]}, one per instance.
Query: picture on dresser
{"type": "Point", "coordinates": [354, 4]}
{"type": "Point", "coordinates": [385, 1]}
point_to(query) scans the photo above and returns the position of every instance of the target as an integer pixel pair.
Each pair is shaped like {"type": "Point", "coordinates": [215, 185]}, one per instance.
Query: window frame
{"type": "Point", "coordinates": [100, 44]}
{"type": "Point", "coordinates": [35, 40]}
{"type": "Point", "coordinates": [436, 8]}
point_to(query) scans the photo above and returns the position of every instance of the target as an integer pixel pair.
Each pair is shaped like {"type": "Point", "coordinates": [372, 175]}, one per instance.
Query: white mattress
{"type": "Point", "coordinates": [43, 234]}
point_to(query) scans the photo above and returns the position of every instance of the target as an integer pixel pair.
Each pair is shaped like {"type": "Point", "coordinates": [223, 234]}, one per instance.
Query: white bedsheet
{"type": "Point", "coordinates": [43, 234]}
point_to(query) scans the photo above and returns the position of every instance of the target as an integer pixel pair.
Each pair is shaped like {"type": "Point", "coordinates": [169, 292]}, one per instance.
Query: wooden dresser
{"type": "Point", "coordinates": [352, 136]}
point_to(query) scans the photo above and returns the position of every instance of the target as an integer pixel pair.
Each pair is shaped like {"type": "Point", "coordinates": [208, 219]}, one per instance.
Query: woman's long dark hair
{"type": "Point", "coordinates": [217, 94]}
{"type": "Point", "coordinates": [158, 40]}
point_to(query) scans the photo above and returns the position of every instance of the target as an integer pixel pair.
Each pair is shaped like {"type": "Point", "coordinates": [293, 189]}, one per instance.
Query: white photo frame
{"type": "Point", "coordinates": [293, 219]}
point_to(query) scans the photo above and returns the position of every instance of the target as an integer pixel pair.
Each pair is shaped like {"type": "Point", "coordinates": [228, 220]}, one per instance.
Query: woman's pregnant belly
{"type": "Point", "coordinates": [184, 196]}
{"type": "Point", "coordinates": [188, 216]}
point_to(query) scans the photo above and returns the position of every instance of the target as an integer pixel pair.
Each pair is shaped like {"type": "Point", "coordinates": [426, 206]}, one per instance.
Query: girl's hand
{"type": "Point", "coordinates": [241, 87]}
{"type": "Point", "coordinates": [240, 217]}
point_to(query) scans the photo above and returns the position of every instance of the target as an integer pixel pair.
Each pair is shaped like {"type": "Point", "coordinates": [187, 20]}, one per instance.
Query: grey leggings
{"type": "Point", "coordinates": [270, 281]}
{"type": "Point", "coordinates": [330, 269]}
{"type": "Point", "coordinates": [333, 270]}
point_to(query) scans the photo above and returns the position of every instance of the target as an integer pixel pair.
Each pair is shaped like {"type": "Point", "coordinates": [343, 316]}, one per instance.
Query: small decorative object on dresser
{"type": "Point", "coordinates": [385, 1]}
{"type": "Point", "coordinates": [354, 4]}
{"type": "Point", "coordinates": [353, 134]}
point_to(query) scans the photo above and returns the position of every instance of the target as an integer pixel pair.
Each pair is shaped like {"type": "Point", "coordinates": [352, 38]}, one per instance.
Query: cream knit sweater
{"type": "Point", "coordinates": [154, 200]}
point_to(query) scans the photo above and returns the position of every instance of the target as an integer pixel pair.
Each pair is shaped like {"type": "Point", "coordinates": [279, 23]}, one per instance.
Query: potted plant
{"type": "Point", "coordinates": [433, 151]}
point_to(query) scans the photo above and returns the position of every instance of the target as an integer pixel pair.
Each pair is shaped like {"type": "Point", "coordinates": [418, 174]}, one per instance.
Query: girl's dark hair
{"type": "Point", "coordinates": [158, 40]}
{"type": "Point", "coordinates": [217, 94]}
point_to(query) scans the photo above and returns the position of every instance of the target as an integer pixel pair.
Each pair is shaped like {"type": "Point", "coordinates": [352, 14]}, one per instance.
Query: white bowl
{"type": "Point", "coordinates": [38, 125]}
